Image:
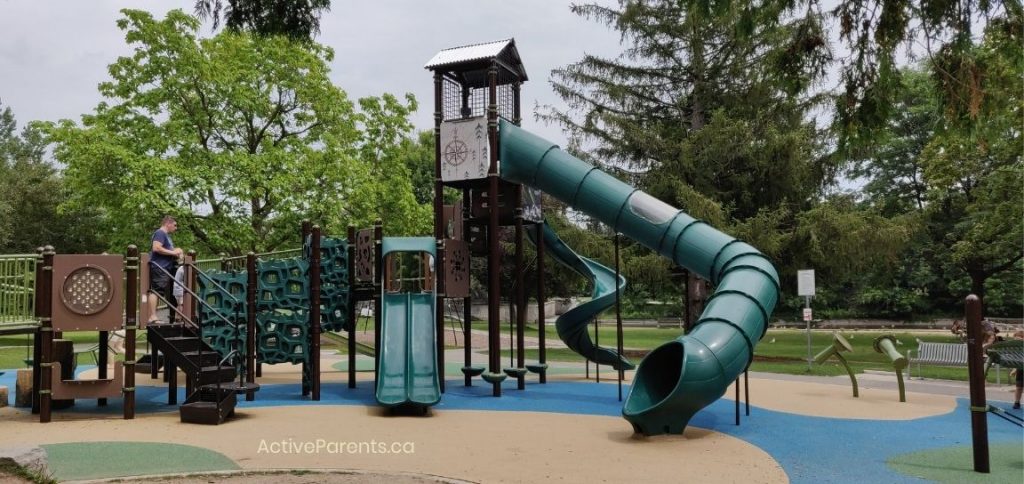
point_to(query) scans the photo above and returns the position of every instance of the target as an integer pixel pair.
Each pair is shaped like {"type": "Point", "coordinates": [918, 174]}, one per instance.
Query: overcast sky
{"type": "Point", "coordinates": [53, 53]}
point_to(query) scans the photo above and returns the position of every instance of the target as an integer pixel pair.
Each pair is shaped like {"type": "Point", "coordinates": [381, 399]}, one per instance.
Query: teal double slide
{"type": "Point", "coordinates": [679, 378]}
{"type": "Point", "coordinates": [408, 375]}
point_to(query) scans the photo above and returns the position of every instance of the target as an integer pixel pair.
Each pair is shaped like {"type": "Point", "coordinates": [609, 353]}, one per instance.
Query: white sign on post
{"type": "Point", "coordinates": [808, 315]}
{"type": "Point", "coordinates": [805, 282]}
{"type": "Point", "coordinates": [464, 154]}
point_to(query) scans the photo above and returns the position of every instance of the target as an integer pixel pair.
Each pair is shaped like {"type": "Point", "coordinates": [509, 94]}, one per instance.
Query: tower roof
{"type": "Point", "coordinates": [469, 63]}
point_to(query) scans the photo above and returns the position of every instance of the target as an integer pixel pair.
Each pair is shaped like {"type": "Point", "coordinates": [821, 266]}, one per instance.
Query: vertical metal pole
{"type": "Point", "coordinates": [46, 328]}
{"type": "Point", "coordinates": [746, 389]}
{"type": "Point", "coordinates": [314, 314]}
{"type": "Point", "coordinates": [597, 344]}
{"type": "Point", "coordinates": [541, 301]}
{"type": "Point", "coordinates": [687, 306]}
{"type": "Point", "coordinates": [131, 324]}
{"type": "Point", "coordinates": [976, 372]}
{"type": "Point", "coordinates": [494, 249]}
{"type": "Point", "coordinates": [378, 278]}
{"type": "Point", "coordinates": [352, 314]}
{"type": "Point", "coordinates": [306, 231]}
{"type": "Point", "coordinates": [618, 313]}
{"type": "Point", "coordinates": [520, 293]}
{"type": "Point", "coordinates": [737, 401]}
{"type": "Point", "coordinates": [810, 359]}
{"type": "Point", "coordinates": [250, 322]}
{"type": "Point", "coordinates": [467, 302]}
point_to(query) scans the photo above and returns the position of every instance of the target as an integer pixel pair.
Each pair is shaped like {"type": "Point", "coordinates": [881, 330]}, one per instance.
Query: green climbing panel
{"type": "Point", "coordinates": [333, 283]}
{"type": "Point", "coordinates": [283, 336]}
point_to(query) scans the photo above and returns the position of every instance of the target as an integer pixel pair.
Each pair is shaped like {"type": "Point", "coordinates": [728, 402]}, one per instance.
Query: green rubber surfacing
{"type": "Point", "coordinates": [954, 465]}
{"type": "Point", "coordinates": [102, 460]}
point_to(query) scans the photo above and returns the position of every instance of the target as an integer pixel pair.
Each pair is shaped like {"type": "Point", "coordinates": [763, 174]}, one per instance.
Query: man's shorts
{"type": "Point", "coordinates": [159, 281]}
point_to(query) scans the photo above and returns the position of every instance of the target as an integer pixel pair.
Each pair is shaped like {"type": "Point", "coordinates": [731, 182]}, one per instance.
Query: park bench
{"type": "Point", "coordinates": [943, 354]}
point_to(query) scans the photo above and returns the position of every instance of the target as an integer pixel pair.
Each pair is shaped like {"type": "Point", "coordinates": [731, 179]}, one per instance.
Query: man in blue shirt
{"type": "Point", "coordinates": [162, 258]}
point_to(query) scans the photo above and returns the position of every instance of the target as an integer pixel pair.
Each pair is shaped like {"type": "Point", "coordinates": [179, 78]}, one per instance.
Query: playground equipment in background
{"type": "Point", "coordinates": [837, 348]}
{"type": "Point", "coordinates": [84, 293]}
{"type": "Point", "coordinates": [886, 345]}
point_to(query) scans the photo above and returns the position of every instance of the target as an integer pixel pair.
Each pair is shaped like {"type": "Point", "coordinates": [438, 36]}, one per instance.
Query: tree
{"type": "Point", "coordinates": [31, 190]}
{"type": "Point", "coordinates": [239, 136]}
{"type": "Point", "coordinates": [958, 178]}
{"type": "Point", "coordinates": [298, 19]}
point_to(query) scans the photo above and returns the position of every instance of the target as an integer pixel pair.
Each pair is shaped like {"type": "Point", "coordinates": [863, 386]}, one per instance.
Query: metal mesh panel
{"type": "Point", "coordinates": [475, 102]}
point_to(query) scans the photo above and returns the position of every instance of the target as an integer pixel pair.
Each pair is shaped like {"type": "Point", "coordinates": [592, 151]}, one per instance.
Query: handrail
{"type": "Point", "coordinates": [211, 280]}
{"type": "Point", "coordinates": [195, 297]}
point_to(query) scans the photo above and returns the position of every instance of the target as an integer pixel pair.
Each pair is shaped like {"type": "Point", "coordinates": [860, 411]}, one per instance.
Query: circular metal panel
{"type": "Point", "coordinates": [87, 290]}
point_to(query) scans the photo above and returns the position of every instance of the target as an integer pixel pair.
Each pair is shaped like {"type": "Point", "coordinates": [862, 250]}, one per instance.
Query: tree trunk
{"type": "Point", "coordinates": [978, 286]}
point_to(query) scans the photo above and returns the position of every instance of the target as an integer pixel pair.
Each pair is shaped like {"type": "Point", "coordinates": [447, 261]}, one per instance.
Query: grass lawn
{"type": "Point", "coordinates": [781, 350]}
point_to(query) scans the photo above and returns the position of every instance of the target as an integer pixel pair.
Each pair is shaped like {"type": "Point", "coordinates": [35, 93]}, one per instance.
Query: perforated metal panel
{"type": "Point", "coordinates": [456, 268]}
{"type": "Point", "coordinates": [364, 255]}
{"type": "Point", "coordinates": [87, 292]}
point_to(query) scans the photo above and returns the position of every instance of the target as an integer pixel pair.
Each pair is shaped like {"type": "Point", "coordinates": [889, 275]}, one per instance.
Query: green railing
{"type": "Point", "coordinates": [17, 290]}
{"type": "Point", "coordinates": [238, 262]}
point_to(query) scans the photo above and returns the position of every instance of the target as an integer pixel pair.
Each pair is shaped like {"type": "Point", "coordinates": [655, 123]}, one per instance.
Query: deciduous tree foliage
{"type": "Point", "coordinates": [31, 191]}
{"type": "Point", "coordinates": [239, 136]}
{"type": "Point", "coordinates": [298, 19]}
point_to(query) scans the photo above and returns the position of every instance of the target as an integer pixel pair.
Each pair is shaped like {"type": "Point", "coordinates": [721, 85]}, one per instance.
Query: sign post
{"type": "Point", "coordinates": [805, 288]}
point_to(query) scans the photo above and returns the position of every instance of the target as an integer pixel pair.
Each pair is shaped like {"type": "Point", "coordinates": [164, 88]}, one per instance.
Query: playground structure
{"type": "Point", "coordinates": [274, 310]}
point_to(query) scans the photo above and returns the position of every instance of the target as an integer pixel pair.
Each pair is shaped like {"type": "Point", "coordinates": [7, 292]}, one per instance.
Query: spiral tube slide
{"type": "Point", "coordinates": [680, 377]}
{"type": "Point", "coordinates": [572, 324]}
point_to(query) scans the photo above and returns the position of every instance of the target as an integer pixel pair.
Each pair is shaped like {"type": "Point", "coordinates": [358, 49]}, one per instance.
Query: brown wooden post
{"type": "Point", "coordinates": [37, 340]}
{"type": "Point", "coordinates": [131, 324]}
{"type": "Point", "coordinates": [520, 292]}
{"type": "Point", "coordinates": [191, 279]}
{"type": "Point", "coordinates": [314, 313]}
{"type": "Point", "coordinates": [467, 302]}
{"type": "Point", "coordinates": [618, 313]}
{"type": "Point", "coordinates": [46, 328]}
{"type": "Point", "coordinates": [352, 313]}
{"type": "Point", "coordinates": [250, 322]}
{"type": "Point", "coordinates": [541, 301]}
{"type": "Point", "coordinates": [378, 278]}
{"type": "Point", "coordinates": [494, 248]}
{"type": "Point", "coordinates": [976, 373]}
{"type": "Point", "coordinates": [439, 234]}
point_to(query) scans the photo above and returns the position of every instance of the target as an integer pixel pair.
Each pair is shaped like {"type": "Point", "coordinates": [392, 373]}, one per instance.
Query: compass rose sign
{"type": "Point", "coordinates": [456, 151]}
{"type": "Point", "coordinates": [464, 149]}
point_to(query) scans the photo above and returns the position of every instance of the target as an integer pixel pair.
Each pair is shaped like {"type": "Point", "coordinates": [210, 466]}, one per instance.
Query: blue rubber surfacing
{"type": "Point", "coordinates": [809, 449]}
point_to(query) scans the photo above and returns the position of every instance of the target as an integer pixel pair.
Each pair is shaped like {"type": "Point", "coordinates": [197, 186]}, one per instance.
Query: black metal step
{"type": "Point", "coordinates": [185, 343]}
{"type": "Point", "coordinates": [233, 386]}
{"type": "Point", "coordinates": [202, 358]}
{"type": "Point", "coordinates": [214, 374]}
{"type": "Point", "coordinates": [208, 407]}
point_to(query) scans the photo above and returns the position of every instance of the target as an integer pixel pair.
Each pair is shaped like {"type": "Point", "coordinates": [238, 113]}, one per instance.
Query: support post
{"type": "Point", "coordinates": [352, 314]}
{"type": "Point", "coordinates": [746, 389]}
{"type": "Point", "coordinates": [250, 322]}
{"type": "Point", "coordinates": [378, 287]}
{"type": "Point", "coordinates": [46, 328]}
{"type": "Point", "coordinates": [618, 313]}
{"type": "Point", "coordinates": [314, 313]}
{"type": "Point", "coordinates": [103, 358]}
{"type": "Point", "coordinates": [520, 293]}
{"type": "Point", "coordinates": [976, 373]}
{"type": "Point", "coordinates": [467, 302]}
{"type": "Point", "coordinates": [131, 324]}
{"type": "Point", "coordinates": [542, 354]}
{"type": "Point", "coordinates": [37, 340]}
{"type": "Point", "coordinates": [494, 248]}
{"type": "Point", "coordinates": [439, 227]}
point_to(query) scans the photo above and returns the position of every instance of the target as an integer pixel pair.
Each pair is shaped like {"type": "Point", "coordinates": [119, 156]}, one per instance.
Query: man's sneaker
{"type": "Point", "coordinates": [1016, 405]}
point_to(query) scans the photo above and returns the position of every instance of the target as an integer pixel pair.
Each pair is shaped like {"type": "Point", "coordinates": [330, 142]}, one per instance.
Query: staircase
{"type": "Point", "coordinates": [210, 386]}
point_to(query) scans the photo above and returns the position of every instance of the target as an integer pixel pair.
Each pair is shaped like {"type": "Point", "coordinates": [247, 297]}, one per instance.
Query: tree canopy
{"type": "Point", "coordinates": [239, 136]}
{"type": "Point", "coordinates": [298, 19]}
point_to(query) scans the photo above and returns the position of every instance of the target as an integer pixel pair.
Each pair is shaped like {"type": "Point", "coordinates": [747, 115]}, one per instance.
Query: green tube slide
{"type": "Point", "coordinates": [678, 378]}
{"type": "Point", "coordinates": [408, 374]}
{"type": "Point", "coordinates": [572, 324]}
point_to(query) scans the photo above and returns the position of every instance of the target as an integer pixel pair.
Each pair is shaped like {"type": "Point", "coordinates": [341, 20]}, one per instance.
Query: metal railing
{"type": "Point", "coordinates": [17, 290]}
{"type": "Point", "coordinates": [237, 263]}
